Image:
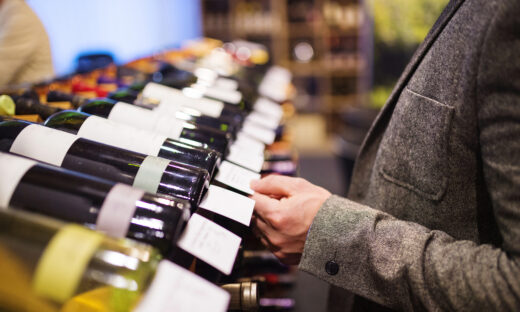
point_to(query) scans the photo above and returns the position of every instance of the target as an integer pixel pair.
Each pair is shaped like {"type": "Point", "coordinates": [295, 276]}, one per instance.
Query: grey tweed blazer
{"type": "Point", "coordinates": [433, 219]}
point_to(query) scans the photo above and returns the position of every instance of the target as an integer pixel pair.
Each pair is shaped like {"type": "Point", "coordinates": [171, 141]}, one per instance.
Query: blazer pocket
{"type": "Point", "coordinates": [414, 148]}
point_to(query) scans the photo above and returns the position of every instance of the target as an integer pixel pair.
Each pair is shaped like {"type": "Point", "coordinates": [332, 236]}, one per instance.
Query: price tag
{"type": "Point", "coordinates": [229, 204]}
{"type": "Point", "coordinates": [246, 159]}
{"type": "Point", "coordinates": [268, 107]}
{"type": "Point", "coordinates": [229, 96]}
{"type": "Point", "coordinates": [264, 120]}
{"type": "Point", "coordinates": [177, 289]}
{"type": "Point", "coordinates": [210, 242]}
{"type": "Point", "coordinates": [226, 83]}
{"type": "Point", "coordinates": [260, 133]}
{"type": "Point", "coordinates": [246, 142]}
{"type": "Point", "coordinates": [275, 83]}
{"type": "Point", "coordinates": [236, 177]}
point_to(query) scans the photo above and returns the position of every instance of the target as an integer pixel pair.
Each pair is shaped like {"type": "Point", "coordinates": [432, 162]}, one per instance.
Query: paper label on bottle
{"type": "Point", "coordinates": [150, 172]}
{"type": "Point", "coordinates": [275, 83]}
{"type": "Point", "coordinates": [172, 100]}
{"type": "Point", "coordinates": [236, 177]}
{"type": "Point", "coordinates": [210, 242]}
{"type": "Point", "coordinates": [258, 132]}
{"type": "Point", "coordinates": [228, 204]}
{"type": "Point", "coordinates": [118, 209]}
{"type": "Point", "coordinates": [229, 96]}
{"type": "Point", "coordinates": [12, 170]}
{"type": "Point", "coordinates": [205, 75]}
{"type": "Point", "coordinates": [63, 262]}
{"type": "Point", "coordinates": [145, 119]}
{"type": "Point", "coordinates": [177, 289]}
{"type": "Point", "coordinates": [268, 107]}
{"type": "Point", "coordinates": [43, 144]}
{"type": "Point", "coordinates": [123, 136]}
{"type": "Point", "coordinates": [263, 120]}
{"type": "Point", "coordinates": [226, 84]}
{"type": "Point", "coordinates": [245, 158]}
{"type": "Point", "coordinates": [246, 142]}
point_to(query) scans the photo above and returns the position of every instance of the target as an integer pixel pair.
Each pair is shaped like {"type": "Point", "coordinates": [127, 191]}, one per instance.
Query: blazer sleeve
{"type": "Point", "coordinates": [406, 266]}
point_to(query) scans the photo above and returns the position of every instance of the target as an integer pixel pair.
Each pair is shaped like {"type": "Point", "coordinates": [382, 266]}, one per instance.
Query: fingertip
{"type": "Point", "coordinates": [254, 183]}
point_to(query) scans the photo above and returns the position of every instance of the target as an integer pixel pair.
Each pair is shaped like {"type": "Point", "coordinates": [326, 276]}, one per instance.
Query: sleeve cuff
{"type": "Point", "coordinates": [335, 246]}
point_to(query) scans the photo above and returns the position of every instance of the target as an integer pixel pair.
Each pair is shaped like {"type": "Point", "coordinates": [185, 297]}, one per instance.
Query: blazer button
{"type": "Point", "coordinates": [331, 267]}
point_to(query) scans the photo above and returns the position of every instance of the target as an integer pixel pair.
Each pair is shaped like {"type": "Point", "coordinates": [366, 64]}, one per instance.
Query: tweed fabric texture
{"type": "Point", "coordinates": [433, 216]}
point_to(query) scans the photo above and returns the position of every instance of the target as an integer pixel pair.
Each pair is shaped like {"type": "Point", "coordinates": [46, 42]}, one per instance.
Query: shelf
{"type": "Point", "coordinates": [338, 32]}
{"type": "Point", "coordinates": [320, 68]}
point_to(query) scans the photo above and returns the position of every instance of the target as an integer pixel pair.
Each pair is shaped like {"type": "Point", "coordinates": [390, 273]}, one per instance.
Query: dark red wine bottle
{"type": "Point", "coordinates": [117, 209]}
{"type": "Point", "coordinates": [62, 149]}
{"type": "Point", "coordinates": [145, 142]}
{"type": "Point", "coordinates": [165, 124]}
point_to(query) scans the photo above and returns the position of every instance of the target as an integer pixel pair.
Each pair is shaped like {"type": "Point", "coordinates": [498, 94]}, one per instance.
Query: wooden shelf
{"type": "Point", "coordinates": [327, 31]}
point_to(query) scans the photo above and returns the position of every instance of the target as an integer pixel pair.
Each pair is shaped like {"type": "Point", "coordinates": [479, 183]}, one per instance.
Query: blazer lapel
{"type": "Point", "coordinates": [386, 111]}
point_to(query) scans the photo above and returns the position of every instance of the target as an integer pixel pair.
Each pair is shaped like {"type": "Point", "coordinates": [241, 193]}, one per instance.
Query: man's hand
{"type": "Point", "coordinates": [284, 210]}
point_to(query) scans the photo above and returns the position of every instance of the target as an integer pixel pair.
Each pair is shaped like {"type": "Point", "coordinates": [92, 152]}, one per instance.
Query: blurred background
{"type": "Point", "coordinates": [345, 56]}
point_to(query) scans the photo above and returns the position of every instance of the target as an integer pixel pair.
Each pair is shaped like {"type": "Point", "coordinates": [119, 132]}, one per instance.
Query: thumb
{"type": "Point", "coordinates": [275, 185]}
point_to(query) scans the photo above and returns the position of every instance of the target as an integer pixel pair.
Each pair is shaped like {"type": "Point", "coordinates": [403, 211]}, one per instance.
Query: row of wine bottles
{"type": "Point", "coordinates": [168, 168]}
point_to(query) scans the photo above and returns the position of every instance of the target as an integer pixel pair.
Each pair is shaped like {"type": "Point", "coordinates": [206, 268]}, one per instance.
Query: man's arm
{"type": "Point", "coordinates": [406, 266]}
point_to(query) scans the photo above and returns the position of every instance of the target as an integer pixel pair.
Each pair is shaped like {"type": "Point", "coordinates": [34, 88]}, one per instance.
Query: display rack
{"type": "Point", "coordinates": [325, 44]}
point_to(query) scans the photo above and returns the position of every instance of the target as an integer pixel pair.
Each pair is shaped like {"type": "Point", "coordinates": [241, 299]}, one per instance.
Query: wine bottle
{"type": "Point", "coordinates": [29, 105]}
{"type": "Point", "coordinates": [123, 136]}
{"type": "Point", "coordinates": [202, 79]}
{"type": "Point", "coordinates": [49, 266]}
{"type": "Point", "coordinates": [244, 296]}
{"type": "Point", "coordinates": [165, 124]}
{"type": "Point", "coordinates": [121, 95]}
{"type": "Point", "coordinates": [173, 100]}
{"type": "Point", "coordinates": [116, 209]}
{"type": "Point", "coordinates": [57, 96]}
{"type": "Point", "coordinates": [44, 263]}
{"type": "Point", "coordinates": [226, 124]}
{"type": "Point", "coordinates": [62, 149]}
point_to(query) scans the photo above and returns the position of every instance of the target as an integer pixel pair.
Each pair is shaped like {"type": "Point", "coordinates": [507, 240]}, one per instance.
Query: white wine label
{"type": "Point", "coordinates": [205, 74]}
{"type": "Point", "coordinates": [236, 177]}
{"type": "Point", "coordinates": [63, 262]}
{"type": "Point", "coordinates": [229, 204]}
{"type": "Point", "coordinates": [177, 289]}
{"type": "Point", "coordinates": [229, 96]}
{"type": "Point", "coordinates": [172, 100]}
{"type": "Point", "coordinates": [226, 83]}
{"type": "Point", "coordinates": [43, 144]}
{"type": "Point", "coordinates": [118, 209]}
{"type": "Point", "coordinates": [12, 170]}
{"type": "Point", "coordinates": [210, 242]}
{"type": "Point", "coordinates": [123, 136]}
{"type": "Point", "coordinates": [260, 133]}
{"type": "Point", "coordinates": [276, 84]}
{"type": "Point", "coordinates": [263, 120]}
{"type": "Point", "coordinates": [150, 172]}
{"type": "Point", "coordinates": [268, 107]}
{"type": "Point", "coordinates": [244, 141]}
{"type": "Point", "coordinates": [142, 118]}
{"type": "Point", "coordinates": [245, 158]}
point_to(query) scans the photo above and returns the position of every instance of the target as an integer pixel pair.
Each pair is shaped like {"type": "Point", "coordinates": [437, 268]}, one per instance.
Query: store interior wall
{"type": "Point", "coordinates": [126, 28]}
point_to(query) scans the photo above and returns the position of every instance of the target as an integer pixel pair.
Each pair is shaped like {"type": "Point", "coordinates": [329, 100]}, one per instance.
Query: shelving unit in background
{"type": "Point", "coordinates": [326, 44]}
